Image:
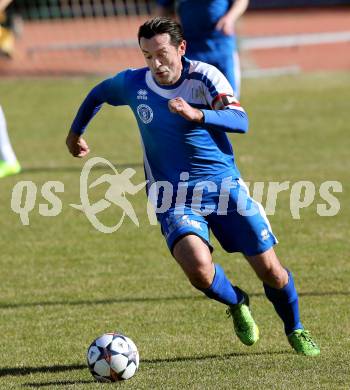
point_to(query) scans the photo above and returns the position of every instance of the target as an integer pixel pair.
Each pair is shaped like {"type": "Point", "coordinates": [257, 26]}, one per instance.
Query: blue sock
{"type": "Point", "coordinates": [222, 290]}
{"type": "Point", "coordinates": [285, 301]}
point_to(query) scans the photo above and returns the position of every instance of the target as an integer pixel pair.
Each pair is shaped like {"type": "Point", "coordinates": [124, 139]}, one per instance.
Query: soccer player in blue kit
{"type": "Point", "coordinates": [209, 30]}
{"type": "Point", "coordinates": [184, 109]}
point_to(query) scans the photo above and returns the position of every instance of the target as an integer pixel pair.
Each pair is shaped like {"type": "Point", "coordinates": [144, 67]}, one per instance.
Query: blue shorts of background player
{"type": "Point", "coordinates": [240, 226]}
{"type": "Point", "coordinates": [209, 30]}
{"type": "Point", "coordinates": [221, 53]}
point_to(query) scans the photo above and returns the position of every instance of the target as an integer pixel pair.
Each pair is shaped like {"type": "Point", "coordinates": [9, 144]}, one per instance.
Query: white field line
{"type": "Point", "coordinates": [270, 72]}
{"type": "Point", "coordinates": [245, 43]}
{"type": "Point", "coordinates": [272, 42]}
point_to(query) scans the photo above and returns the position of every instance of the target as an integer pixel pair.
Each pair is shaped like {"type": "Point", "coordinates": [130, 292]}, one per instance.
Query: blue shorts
{"type": "Point", "coordinates": [224, 58]}
{"type": "Point", "coordinates": [240, 227]}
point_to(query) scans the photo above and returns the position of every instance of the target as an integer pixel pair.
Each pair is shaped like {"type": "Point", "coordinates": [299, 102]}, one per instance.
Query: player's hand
{"type": "Point", "coordinates": [226, 25]}
{"type": "Point", "coordinates": [76, 145]}
{"type": "Point", "coordinates": [181, 107]}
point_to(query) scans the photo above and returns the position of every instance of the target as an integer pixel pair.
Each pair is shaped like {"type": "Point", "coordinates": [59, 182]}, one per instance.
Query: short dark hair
{"type": "Point", "coordinates": [162, 25]}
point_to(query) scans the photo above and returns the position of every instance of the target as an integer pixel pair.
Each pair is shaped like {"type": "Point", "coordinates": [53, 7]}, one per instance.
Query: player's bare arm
{"type": "Point", "coordinates": [181, 107]}
{"type": "Point", "coordinates": [76, 145]}
{"type": "Point", "coordinates": [4, 4]}
{"type": "Point", "coordinates": [227, 22]}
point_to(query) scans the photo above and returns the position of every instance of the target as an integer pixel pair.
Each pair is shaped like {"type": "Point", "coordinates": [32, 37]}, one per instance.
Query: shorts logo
{"type": "Point", "coordinates": [145, 113]}
{"type": "Point", "coordinates": [173, 223]}
{"type": "Point", "coordinates": [265, 234]}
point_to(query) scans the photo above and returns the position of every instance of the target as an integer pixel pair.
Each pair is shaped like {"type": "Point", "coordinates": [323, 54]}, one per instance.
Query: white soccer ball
{"type": "Point", "coordinates": [112, 357]}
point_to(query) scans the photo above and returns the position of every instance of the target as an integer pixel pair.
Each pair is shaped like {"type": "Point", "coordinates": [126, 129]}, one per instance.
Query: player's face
{"type": "Point", "coordinates": [163, 58]}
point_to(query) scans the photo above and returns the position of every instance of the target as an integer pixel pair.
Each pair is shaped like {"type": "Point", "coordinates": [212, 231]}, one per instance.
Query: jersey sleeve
{"type": "Point", "coordinates": [226, 112]}
{"type": "Point", "coordinates": [111, 91]}
{"type": "Point", "coordinates": [218, 92]}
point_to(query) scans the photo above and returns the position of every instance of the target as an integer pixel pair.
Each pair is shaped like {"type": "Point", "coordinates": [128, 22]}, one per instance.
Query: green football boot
{"type": "Point", "coordinates": [302, 342]}
{"type": "Point", "coordinates": [245, 327]}
{"type": "Point", "coordinates": [8, 169]}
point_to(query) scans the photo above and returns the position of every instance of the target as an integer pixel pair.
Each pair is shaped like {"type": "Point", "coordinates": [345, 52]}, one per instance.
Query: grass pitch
{"type": "Point", "coordinates": [63, 283]}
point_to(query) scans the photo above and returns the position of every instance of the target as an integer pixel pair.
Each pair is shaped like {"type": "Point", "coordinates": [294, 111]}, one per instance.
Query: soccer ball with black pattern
{"type": "Point", "coordinates": [112, 357]}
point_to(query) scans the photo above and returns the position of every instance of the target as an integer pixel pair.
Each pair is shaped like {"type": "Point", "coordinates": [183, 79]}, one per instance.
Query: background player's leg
{"type": "Point", "coordinates": [8, 161]}
{"type": "Point", "coordinates": [236, 74]}
{"type": "Point", "coordinates": [6, 152]}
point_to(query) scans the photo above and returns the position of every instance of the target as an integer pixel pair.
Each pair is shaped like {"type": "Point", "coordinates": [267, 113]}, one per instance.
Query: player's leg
{"type": "Point", "coordinates": [280, 290]}
{"type": "Point", "coordinates": [246, 229]}
{"type": "Point", "coordinates": [187, 236]}
{"type": "Point", "coordinates": [194, 257]}
{"type": "Point", "coordinates": [6, 151]}
{"type": "Point", "coordinates": [8, 161]}
{"type": "Point", "coordinates": [236, 74]}
{"type": "Point", "coordinates": [229, 65]}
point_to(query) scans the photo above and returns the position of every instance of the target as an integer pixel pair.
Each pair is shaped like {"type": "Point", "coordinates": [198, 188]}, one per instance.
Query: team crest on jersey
{"type": "Point", "coordinates": [142, 94]}
{"type": "Point", "coordinates": [145, 113]}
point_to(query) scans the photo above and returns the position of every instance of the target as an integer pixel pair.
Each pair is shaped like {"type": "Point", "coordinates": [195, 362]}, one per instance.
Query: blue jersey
{"type": "Point", "coordinates": [199, 18]}
{"type": "Point", "coordinates": [172, 144]}
{"type": "Point", "coordinates": [204, 42]}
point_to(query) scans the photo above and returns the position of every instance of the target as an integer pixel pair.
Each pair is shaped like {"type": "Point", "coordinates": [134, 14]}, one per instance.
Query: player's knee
{"type": "Point", "coordinates": [275, 277]}
{"type": "Point", "coordinates": [195, 259]}
{"type": "Point", "coordinates": [201, 277]}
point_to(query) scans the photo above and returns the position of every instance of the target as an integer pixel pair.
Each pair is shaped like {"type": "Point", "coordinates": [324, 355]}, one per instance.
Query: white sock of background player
{"type": "Point", "coordinates": [6, 152]}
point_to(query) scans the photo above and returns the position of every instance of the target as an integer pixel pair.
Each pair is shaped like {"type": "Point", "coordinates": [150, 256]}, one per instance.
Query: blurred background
{"type": "Point", "coordinates": [97, 37]}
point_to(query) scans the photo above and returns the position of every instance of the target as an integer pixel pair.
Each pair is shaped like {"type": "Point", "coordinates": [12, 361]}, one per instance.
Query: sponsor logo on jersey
{"type": "Point", "coordinates": [145, 113]}
{"type": "Point", "coordinates": [142, 94]}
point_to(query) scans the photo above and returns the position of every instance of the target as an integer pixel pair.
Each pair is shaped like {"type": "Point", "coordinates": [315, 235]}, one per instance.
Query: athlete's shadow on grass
{"type": "Point", "coordinates": [147, 299]}
{"type": "Point", "coordinates": [21, 371]}
{"type": "Point", "coordinates": [107, 301]}
{"type": "Point", "coordinates": [58, 383]}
